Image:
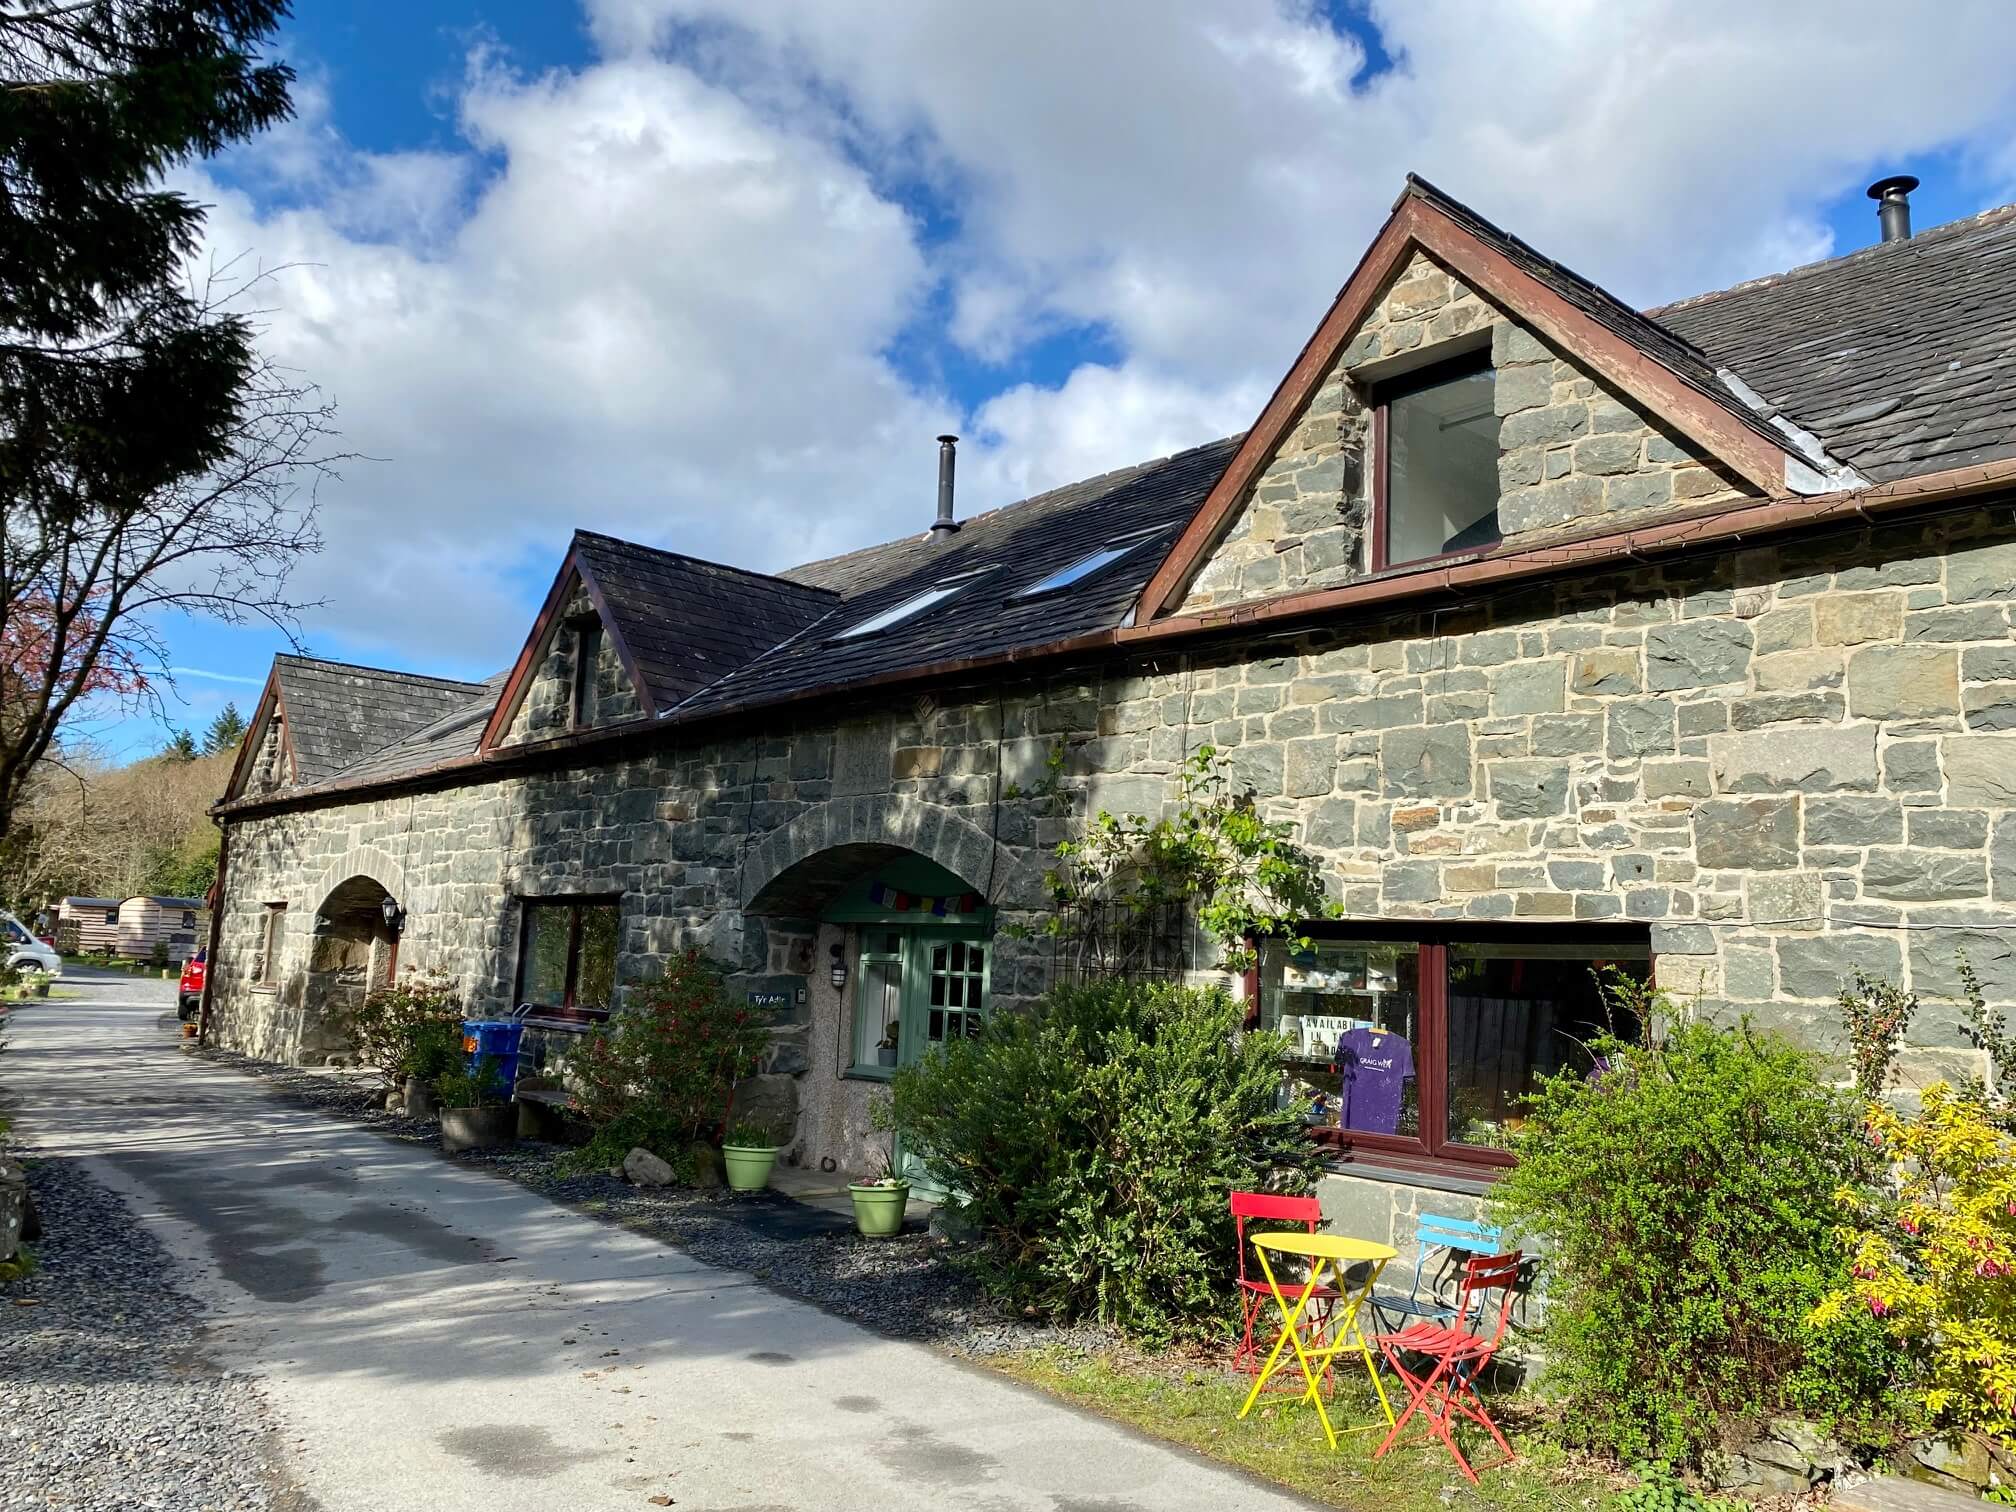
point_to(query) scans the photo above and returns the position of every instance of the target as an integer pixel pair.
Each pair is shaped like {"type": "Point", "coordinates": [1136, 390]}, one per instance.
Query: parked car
{"type": "Point", "coordinates": [190, 995]}
{"type": "Point", "coordinates": [24, 951]}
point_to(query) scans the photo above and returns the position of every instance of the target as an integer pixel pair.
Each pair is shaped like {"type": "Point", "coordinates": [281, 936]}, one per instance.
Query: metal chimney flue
{"type": "Point", "coordinates": [948, 452]}
{"type": "Point", "coordinates": [1893, 205]}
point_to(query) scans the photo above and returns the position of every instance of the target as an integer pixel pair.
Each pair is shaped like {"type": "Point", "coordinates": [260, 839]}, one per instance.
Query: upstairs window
{"type": "Point", "coordinates": [1437, 478]}
{"type": "Point", "coordinates": [587, 653]}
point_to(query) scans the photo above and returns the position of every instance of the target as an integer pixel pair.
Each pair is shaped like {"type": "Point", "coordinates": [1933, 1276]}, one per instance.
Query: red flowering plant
{"type": "Point", "coordinates": [662, 1072]}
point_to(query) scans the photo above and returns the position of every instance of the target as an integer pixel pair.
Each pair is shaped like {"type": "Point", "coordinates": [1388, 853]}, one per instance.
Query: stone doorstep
{"type": "Point", "coordinates": [1892, 1493]}
{"type": "Point", "coordinates": [828, 1192]}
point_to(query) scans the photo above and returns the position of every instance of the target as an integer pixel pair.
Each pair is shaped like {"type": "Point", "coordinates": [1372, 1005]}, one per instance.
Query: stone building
{"type": "Point", "coordinates": [1568, 635]}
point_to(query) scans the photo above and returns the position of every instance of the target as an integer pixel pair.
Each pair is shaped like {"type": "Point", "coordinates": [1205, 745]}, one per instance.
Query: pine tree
{"type": "Point", "coordinates": [225, 731]}
{"type": "Point", "coordinates": [181, 748]}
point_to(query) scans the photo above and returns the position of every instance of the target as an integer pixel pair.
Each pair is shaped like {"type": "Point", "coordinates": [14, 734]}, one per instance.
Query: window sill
{"type": "Point", "coordinates": [271, 989]}
{"type": "Point", "coordinates": [1466, 1182]}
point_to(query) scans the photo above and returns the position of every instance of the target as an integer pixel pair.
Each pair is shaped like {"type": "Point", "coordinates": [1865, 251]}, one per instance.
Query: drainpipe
{"type": "Point", "coordinates": [216, 931]}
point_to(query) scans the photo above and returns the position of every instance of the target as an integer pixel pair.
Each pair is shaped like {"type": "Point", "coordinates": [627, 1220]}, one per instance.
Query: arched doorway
{"type": "Point", "coordinates": [352, 950]}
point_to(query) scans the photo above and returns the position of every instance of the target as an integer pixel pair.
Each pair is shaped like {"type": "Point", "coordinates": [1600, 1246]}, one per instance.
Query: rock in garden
{"type": "Point", "coordinates": [644, 1169]}
{"type": "Point", "coordinates": [13, 1207]}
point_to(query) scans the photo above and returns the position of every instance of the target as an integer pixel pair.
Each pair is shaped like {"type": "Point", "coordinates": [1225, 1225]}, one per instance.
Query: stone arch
{"type": "Point", "coordinates": [351, 949]}
{"type": "Point", "coordinates": [360, 861]}
{"type": "Point", "coordinates": [841, 838]}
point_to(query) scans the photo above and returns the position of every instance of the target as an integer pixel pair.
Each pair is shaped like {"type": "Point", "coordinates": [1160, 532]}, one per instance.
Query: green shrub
{"type": "Point", "coordinates": [483, 1087]}
{"type": "Point", "coordinates": [1660, 1490]}
{"type": "Point", "coordinates": [1684, 1200]}
{"type": "Point", "coordinates": [1092, 1140]}
{"type": "Point", "coordinates": [662, 1072]}
{"type": "Point", "coordinates": [413, 1027]}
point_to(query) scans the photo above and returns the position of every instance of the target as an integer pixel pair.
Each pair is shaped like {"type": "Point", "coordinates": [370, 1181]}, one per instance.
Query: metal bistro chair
{"type": "Point", "coordinates": [1454, 1237]}
{"type": "Point", "coordinates": [1456, 1357]}
{"type": "Point", "coordinates": [1253, 1290]}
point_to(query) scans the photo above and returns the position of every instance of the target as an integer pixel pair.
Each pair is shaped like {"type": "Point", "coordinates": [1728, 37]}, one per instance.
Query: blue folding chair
{"type": "Point", "coordinates": [1454, 1237]}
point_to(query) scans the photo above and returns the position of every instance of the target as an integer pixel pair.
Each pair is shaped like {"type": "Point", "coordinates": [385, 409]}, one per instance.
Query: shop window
{"type": "Point", "coordinates": [567, 956]}
{"type": "Point", "coordinates": [273, 930]}
{"type": "Point", "coordinates": [1421, 1044]}
{"type": "Point", "coordinates": [1436, 444]}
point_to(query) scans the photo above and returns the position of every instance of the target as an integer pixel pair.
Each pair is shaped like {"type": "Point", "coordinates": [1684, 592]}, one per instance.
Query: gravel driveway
{"type": "Point", "coordinates": [426, 1335]}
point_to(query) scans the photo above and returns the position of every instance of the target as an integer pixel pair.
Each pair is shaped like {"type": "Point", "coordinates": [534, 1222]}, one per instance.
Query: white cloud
{"type": "Point", "coordinates": [658, 295]}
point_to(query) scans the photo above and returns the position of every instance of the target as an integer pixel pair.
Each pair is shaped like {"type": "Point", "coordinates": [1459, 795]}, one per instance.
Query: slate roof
{"type": "Point", "coordinates": [337, 713]}
{"type": "Point", "coordinates": [1901, 357]}
{"type": "Point", "coordinates": [1671, 348]}
{"type": "Point", "coordinates": [689, 623]}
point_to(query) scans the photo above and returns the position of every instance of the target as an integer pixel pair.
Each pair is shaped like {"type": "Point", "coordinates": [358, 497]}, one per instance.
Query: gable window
{"type": "Point", "coordinates": [1424, 1041]}
{"type": "Point", "coordinates": [567, 956]}
{"type": "Point", "coordinates": [272, 932]}
{"type": "Point", "coordinates": [1436, 439]}
{"type": "Point", "coordinates": [587, 653]}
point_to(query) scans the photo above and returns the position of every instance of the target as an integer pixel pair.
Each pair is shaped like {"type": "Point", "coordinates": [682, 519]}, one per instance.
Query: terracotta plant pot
{"type": "Point", "coordinates": [478, 1128]}
{"type": "Point", "coordinates": [748, 1166]}
{"type": "Point", "coordinates": [878, 1210]}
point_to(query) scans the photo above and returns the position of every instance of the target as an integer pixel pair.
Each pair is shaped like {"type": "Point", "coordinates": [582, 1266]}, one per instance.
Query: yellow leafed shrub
{"type": "Point", "coordinates": [1933, 1257]}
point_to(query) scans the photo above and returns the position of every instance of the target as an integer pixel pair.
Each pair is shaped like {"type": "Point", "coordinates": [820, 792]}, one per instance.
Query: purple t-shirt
{"type": "Point", "coordinates": [1375, 1066]}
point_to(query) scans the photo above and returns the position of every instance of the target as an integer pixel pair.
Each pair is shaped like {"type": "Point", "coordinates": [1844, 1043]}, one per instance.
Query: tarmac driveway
{"type": "Point", "coordinates": [430, 1336]}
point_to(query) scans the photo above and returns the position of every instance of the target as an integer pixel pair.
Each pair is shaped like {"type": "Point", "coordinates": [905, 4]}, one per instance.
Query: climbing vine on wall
{"type": "Point", "coordinates": [1214, 855]}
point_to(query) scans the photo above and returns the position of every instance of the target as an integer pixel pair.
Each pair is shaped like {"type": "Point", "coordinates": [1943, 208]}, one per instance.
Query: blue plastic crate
{"type": "Point", "coordinates": [494, 1040]}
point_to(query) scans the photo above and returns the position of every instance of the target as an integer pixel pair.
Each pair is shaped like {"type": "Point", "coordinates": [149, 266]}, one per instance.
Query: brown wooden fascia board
{"type": "Point", "coordinates": [1214, 516]}
{"type": "Point", "coordinates": [1716, 525]}
{"type": "Point", "coordinates": [615, 633]}
{"type": "Point", "coordinates": [269, 702]}
{"type": "Point", "coordinates": [521, 670]}
{"type": "Point", "coordinates": [1417, 226]}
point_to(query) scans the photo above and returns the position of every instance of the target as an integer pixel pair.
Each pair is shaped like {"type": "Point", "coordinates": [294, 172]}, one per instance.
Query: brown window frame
{"type": "Point", "coordinates": [1383, 394]}
{"type": "Point", "coordinates": [587, 652]}
{"type": "Point", "coordinates": [273, 926]}
{"type": "Point", "coordinates": [1433, 1152]}
{"type": "Point", "coordinates": [574, 903]}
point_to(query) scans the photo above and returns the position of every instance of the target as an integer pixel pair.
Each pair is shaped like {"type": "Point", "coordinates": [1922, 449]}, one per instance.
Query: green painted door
{"type": "Point", "coordinates": [945, 982]}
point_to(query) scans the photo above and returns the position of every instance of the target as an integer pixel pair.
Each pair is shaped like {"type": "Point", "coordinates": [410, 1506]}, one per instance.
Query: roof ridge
{"type": "Point", "coordinates": [1107, 478]}
{"type": "Point", "coordinates": [1944, 231]}
{"type": "Point", "coordinates": [697, 561]}
{"type": "Point", "coordinates": [419, 677]}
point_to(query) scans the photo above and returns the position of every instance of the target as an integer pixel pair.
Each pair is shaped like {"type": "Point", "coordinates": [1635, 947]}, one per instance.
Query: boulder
{"type": "Point", "coordinates": [642, 1168]}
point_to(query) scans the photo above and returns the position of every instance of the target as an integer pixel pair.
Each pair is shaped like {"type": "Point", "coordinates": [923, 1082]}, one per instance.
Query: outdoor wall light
{"type": "Point", "coordinates": [395, 916]}
{"type": "Point", "coordinates": [839, 969]}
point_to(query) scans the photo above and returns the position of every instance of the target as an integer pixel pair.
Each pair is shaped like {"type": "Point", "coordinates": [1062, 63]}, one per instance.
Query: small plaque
{"type": "Point", "coordinates": [769, 999]}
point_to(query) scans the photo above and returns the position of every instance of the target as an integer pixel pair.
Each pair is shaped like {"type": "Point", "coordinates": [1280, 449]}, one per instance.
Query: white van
{"type": "Point", "coordinates": [23, 951]}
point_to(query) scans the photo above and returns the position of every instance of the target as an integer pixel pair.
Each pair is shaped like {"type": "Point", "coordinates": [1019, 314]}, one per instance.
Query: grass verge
{"type": "Point", "coordinates": [1198, 1407]}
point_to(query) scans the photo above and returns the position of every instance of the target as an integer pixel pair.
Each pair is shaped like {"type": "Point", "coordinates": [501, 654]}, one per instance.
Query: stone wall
{"type": "Point", "coordinates": [1786, 761]}
{"type": "Point", "coordinates": [547, 705]}
{"type": "Point", "coordinates": [1572, 449]}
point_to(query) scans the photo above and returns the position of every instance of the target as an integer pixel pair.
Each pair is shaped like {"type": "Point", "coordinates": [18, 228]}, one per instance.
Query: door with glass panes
{"type": "Point", "coordinates": [920, 987]}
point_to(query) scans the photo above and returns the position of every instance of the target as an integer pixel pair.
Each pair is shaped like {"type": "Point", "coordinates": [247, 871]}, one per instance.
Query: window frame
{"type": "Point", "coordinates": [1383, 394]}
{"type": "Point", "coordinates": [273, 928]}
{"type": "Point", "coordinates": [914, 966]}
{"type": "Point", "coordinates": [575, 904]}
{"type": "Point", "coordinates": [587, 653]}
{"type": "Point", "coordinates": [1441, 1155]}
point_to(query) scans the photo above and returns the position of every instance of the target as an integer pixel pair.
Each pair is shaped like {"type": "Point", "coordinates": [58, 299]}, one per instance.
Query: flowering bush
{"type": "Point", "coordinates": [662, 1073]}
{"type": "Point", "coordinates": [1933, 1255]}
{"type": "Point", "coordinates": [413, 1027]}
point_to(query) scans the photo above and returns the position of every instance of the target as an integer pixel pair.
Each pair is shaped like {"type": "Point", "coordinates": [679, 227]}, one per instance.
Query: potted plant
{"type": "Point", "coordinates": [476, 1111]}
{"type": "Point", "coordinates": [748, 1153]}
{"type": "Point", "coordinates": [879, 1202]}
{"type": "Point", "coordinates": [432, 1049]}
{"type": "Point", "coordinates": [885, 1052]}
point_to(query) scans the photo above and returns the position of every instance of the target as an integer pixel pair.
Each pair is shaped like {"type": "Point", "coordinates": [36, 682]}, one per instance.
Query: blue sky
{"type": "Point", "coordinates": [711, 273]}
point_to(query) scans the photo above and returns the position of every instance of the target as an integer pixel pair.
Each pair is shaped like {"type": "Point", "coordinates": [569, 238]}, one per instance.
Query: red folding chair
{"type": "Point", "coordinates": [1253, 1292]}
{"type": "Point", "coordinates": [1457, 1356]}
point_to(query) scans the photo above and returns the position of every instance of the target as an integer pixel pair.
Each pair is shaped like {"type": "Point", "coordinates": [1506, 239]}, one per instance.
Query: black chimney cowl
{"type": "Point", "coordinates": [1893, 205]}
{"type": "Point", "coordinates": [944, 525]}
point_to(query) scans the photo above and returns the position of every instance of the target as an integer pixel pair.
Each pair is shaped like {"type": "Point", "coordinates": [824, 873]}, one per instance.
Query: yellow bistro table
{"type": "Point", "coordinates": [1337, 1252]}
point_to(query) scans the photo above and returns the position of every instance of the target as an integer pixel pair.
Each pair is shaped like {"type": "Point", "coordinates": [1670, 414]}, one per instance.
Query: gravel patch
{"type": "Point", "coordinates": [903, 1287]}
{"type": "Point", "coordinates": [107, 1397]}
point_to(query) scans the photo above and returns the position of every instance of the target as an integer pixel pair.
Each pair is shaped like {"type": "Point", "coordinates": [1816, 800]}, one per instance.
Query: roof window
{"type": "Point", "coordinates": [910, 607]}
{"type": "Point", "coordinates": [1096, 561]}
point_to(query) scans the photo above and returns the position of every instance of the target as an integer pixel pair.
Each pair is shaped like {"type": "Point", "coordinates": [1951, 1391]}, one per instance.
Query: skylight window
{"type": "Point", "coordinates": [909, 608]}
{"type": "Point", "coordinates": [1093, 562]}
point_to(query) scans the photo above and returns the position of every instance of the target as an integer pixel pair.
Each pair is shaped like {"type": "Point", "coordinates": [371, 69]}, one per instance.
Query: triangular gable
{"type": "Point", "coordinates": [574, 591]}
{"type": "Point", "coordinates": [1656, 370]}
{"type": "Point", "coordinates": [269, 717]}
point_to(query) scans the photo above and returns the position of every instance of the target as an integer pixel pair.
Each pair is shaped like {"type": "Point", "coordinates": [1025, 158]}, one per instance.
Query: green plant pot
{"type": "Point", "coordinates": [878, 1210]}
{"type": "Point", "coordinates": [748, 1166]}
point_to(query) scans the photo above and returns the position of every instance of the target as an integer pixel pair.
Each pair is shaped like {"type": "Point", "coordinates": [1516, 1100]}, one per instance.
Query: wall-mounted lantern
{"type": "Point", "coordinates": [839, 970]}
{"type": "Point", "coordinates": [395, 916]}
